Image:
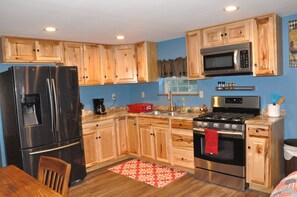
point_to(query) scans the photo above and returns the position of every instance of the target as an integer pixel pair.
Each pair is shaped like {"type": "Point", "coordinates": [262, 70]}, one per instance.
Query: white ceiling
{"type": "Point", "coordinates": [99, 21]}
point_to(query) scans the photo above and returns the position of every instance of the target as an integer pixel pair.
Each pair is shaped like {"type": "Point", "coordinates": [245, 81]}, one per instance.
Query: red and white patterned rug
{"type": "Point", "coordinates": [149, 173]}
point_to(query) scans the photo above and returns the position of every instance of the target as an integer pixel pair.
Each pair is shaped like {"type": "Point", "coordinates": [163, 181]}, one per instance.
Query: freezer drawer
{"type": "Point", "coordinates": [71, 152]}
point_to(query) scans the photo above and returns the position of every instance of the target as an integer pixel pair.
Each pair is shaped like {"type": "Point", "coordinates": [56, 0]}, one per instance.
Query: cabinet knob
{"type": "Point", "coordinates": [96, 137]}
{"type": "Point", "coordinates": [182, 158]}
{"type": "Point", "coordinates": [180, 124]}
{"type": "Point", "coordinates": [34, 50]}
{"type": "Point", "coordinates": [222, 35]}
{"type": "Point", "coordinates": [134, 124]}
{"type": "Point", "coordinates": [257, 130]}
{"type": "Point", "coordinates": [97, 125]}
{"type": "Point", "coordinates": [249, 147]}
{"type": "Point", "coordinates": [255, 65]}
{"type": "Point", "coordinates": [104, 76]}
{"type": "Point", "coordinates": [99, 137]}
{"type": "Point", "coordinates": [37, 50]}
{"type": "Point", "coordinates": [225, 34]}
{"type": "Point", "coordinates": [116, 76]}
{"type": "Point", "coordinates": [83, 77]}
{"type": "Point", "coordinates": [87, 77]}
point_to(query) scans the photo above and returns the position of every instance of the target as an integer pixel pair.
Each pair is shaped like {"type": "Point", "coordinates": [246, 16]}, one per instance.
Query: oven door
{"type": "Point", "coordinates": [231, 149]}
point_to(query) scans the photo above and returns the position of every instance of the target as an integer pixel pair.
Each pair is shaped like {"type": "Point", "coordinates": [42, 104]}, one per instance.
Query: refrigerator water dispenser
{"type": "Point", "coordinates": [31, 109]}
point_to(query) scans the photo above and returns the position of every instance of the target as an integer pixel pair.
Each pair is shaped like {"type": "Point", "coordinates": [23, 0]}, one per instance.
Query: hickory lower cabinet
{"type": "Point", "coordinates": [154, 135]}
{"type": "Point", "coordinates": [182, 143]}
{"type": "Point", "coordinates": [121, 131]}
{"type": "Point", "coordinates": [99, 142]}
{"type": "Point", "coordinates": [133, 136]}
{"type": "Point", "coordinates": [264, 154]}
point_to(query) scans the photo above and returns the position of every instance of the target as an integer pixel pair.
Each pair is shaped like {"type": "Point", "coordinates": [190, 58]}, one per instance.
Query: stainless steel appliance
{"type": "Point", "coordinates": [226, 168]}
{"type": "Point", "coordinates": [99, 107]}
{"type": "Point", "coordinates": [227, 60]}
{"type": "Point", "coordinates": [41, 115]}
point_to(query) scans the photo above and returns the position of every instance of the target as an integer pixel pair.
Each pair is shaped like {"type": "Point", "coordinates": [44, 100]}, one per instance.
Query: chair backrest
{"type": "Point", "coordinates": [54, 173]}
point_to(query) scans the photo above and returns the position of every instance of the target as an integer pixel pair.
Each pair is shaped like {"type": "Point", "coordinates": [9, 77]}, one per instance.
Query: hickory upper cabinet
{"type": "Point", "coordinates": [194, 58]}
{"type": "Point", "coordinates": [86, 58]}
{"type": "Point", "coordinates": [16, 49]}
{"type": "Point", "coordinates": [267, 46]}
{"type": "Point", "coordinates": [125, 64]}
{"type": "Point", "coordinates": [146, 59]}
{"type": "Point", "coordinates": [107, 64]}
{"type": "Point", "coordinates": [231, 33]}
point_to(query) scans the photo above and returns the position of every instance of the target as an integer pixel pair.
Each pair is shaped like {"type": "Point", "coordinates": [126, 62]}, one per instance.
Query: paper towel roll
{"type": "Point", "coordinates": [273, 110]}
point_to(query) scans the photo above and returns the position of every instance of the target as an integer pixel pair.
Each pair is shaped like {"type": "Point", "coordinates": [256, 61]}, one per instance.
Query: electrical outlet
{"type": "Point", "coordinates": [201, 94]}
{"type": "Point", "coordinates": [142, 95]}
{"type": "Point", "coordinates": [113, 96]}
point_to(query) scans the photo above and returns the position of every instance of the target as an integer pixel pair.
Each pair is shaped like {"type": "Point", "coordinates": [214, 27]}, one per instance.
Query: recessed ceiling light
{"type": "Point", "coordinates": [50, 29]}
{"type": "Point", "coordinates": [231, 8]}
{"type": "Point", "coordinates": [120, 37]}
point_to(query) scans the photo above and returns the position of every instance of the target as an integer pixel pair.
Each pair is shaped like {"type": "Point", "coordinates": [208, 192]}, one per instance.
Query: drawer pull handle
{"type": "Point", "coordinates": [257, 130]}
{"type": "Point", "coordinates": [182, 158]}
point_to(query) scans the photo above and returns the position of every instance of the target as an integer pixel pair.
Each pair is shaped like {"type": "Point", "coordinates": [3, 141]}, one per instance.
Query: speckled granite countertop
{"type": "Point", "coordinates": [125, 113]}
{"type": "Point", "coordinates": [264, 120]}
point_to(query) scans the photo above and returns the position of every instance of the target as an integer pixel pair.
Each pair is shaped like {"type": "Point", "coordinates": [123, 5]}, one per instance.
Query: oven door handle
{"type": "Point", "coordinates": [201, 131]}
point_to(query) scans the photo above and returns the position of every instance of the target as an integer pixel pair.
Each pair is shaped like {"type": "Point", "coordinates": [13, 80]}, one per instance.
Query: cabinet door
{"type": "Point", "coordinates": [265, 46]}
{"type": "Point", "coordinates": [133, 137]}
{"type": "Point", "coordinates": [92, 68]}
{"type": "Point", "coordinates": [125, 64]}
{"type": "Point", "coordinates": [108, 64]}
{"type": "Point", "coordinates": [147, 142]}
{"type": "Point", "coordinates": [161, 144]}
{"type": "Point", "coordinates": [90, 148]}
{"type": "Point", "coordinates": [258, 161]}
{"type": "Point", "coordinates": [122, 136]}
{"type": "Point", "coordinates": [146, 59]}
{"type": "Point", "coordinates": [90, 144]}
{"type": "Point", "coordinates": [74, 57]}
{"type": "Point", "coordinates": [213, 36]}
{"type": "Point", "coordinates": [18, 50]}
{"type": "Point", "coordinates": [238, 32]}
{"type": "Point", "coordinates": [194, 58]}
{"type": "Point", "coordinates": [49, 51]}
{"type": "Point", "coordinates": [106, 141]}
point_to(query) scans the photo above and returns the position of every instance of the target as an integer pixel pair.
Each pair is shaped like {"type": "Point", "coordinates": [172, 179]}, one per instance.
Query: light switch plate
{"type": "Point", "coordinates": [201, 94]}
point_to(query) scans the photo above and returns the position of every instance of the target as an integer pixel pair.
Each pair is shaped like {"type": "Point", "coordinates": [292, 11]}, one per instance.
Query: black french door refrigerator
{"type": "Point", "coordinates": [41, 115]}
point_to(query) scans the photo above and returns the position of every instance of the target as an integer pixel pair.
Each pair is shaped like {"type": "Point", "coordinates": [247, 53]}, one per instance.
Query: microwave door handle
{"type": "Point", "coordinates": [236, 59]}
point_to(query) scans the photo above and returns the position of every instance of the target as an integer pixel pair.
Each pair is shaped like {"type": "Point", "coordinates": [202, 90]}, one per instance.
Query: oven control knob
{"type": "Point", "coordinates": [227, 126]}
{"type": "Point", "coordinates": [204, 124]}
{"type": "Point", "coordinates": [234, 126]}
{"type": "Point", "coordinates": [216, 125]}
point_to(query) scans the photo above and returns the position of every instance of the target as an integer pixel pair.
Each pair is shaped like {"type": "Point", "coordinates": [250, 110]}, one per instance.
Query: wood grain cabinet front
{"type": "Point", "coordinates": [86, 58]}
{"type": "Point", "coordinates": [182, 143]}
{"type": "Point", "coordinates": [267, 46]}
{"type": "Point", "coordinates": [146, 59]}
{"type": "Point", "coordinates": [16, 49]}
{"type": "Point", "coordinates": [99, 142]}
{"type": "Point", "coordinates": [133, 136]}
{"type": "Point", "coordinates": [194, 57]}
{"type": "Point", "coordinates": [264, 155]}
{"type": "Point", "coordinates": [154, 135]}
{"type": "Point", "coordinates": [121, 131]}
{"type": "Point", "coordinates": [231, 33]}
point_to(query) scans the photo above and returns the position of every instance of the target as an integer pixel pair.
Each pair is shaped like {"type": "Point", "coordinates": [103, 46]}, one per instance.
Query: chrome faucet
{"type": "Point", "coordinates": [172, 106]}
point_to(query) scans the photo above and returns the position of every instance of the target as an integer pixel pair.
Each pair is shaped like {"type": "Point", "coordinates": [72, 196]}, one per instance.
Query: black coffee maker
{"type": "Point", "coordinates": [99, 108]}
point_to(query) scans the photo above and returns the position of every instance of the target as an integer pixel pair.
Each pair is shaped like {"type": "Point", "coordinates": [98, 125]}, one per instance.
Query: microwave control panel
{"type": "Point", "coordinates": [244, 59]}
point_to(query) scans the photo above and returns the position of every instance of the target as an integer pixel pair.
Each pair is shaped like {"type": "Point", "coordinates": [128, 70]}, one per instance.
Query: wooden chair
{"type": "Point", "coordinates": [54, 173]}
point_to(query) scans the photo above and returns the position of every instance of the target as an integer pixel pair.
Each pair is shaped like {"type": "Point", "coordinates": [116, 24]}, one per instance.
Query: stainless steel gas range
{"type": "Point", "coordinates": [227, 167]}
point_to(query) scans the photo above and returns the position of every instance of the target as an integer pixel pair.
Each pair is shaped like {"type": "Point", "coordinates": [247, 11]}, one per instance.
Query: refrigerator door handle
{"type": "Point", "coordinates": [56, 105]}
{"type": "Point", "coordinates": [51, 104]}
{"type": "Point", "coordinates": [53, 149]}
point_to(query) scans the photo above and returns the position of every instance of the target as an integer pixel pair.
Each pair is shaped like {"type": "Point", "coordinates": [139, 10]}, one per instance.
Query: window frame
{"type": "Point", "coordinates": [178, 79]}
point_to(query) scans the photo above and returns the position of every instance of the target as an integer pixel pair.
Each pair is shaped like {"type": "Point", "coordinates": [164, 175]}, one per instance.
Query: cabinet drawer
{"type": "Point", "coordinates": [154, 122]}
{"type": "Point", "coordinates": [182, 124]}
{"type": "Point", "coordinates": [184, 158]}
{"type": "Point", "coordinates": [257, 130]}
{"type": "Point", "coordinates": [182, 138]}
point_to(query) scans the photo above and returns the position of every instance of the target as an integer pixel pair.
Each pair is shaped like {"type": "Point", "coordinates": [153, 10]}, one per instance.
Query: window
{"type": "Point", "coordinates": [180, 86]}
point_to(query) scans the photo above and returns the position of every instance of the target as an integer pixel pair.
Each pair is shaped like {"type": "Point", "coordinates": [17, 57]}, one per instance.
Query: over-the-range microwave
{"type": "Point", "coordinates": [232, 59]}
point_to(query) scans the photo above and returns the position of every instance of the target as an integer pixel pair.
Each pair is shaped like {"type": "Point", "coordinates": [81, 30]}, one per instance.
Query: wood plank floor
{"type": "Point", "coordinates": [103, 182]}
